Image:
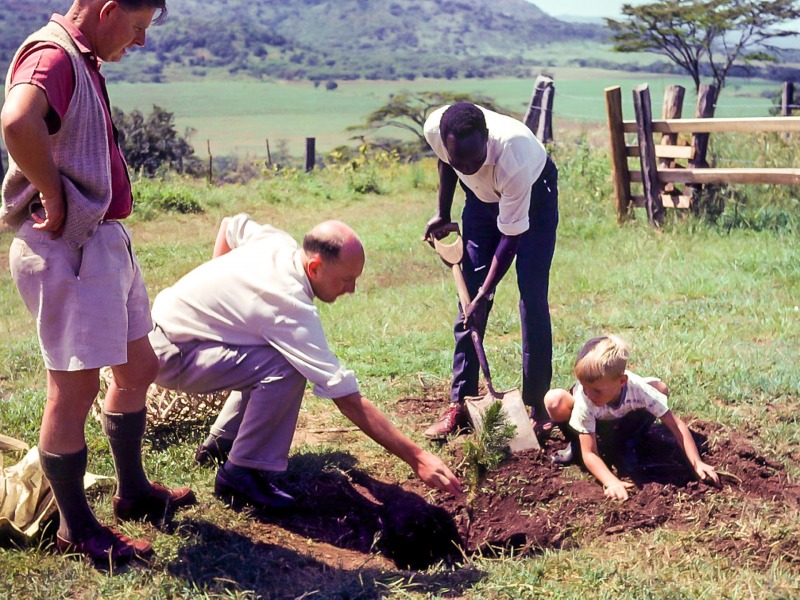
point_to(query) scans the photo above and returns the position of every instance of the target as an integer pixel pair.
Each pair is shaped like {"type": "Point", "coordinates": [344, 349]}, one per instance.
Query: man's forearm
{"type": "Point", "coordinates": [28, 140]}
{"type": "Point", "coordinates": [447, 189]}
{"type": "Point", "coordinates": [501, 262]}
{"type": "Point", "coordinates": [374, 423]}
{"type": "Point", "coordinates": [221, 245]}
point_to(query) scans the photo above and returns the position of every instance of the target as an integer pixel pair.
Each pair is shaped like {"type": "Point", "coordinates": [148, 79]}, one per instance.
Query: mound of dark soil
{"type": "Point", "coordinates": [526, 505]}
{"type": "Point", "coordinates": [529, 503]}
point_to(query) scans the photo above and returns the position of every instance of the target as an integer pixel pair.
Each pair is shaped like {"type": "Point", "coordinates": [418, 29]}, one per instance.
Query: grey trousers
{"type": "Point", "coordinates": [260, 414]}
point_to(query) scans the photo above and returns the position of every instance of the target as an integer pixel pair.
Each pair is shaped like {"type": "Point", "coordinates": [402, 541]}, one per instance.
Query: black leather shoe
{"type": "Point", "coordinates": [250, 487]}
{"type": "Point", "coordinates": [214, 449]}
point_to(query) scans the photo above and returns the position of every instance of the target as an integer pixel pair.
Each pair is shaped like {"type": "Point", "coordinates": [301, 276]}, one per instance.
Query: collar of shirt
{"type": "Point", "coordinates": [621, 399]}
{"type": "Point", "coordinates": [298, 263]}
{"type": "Point", "coordinates": [491, 152]}
{"type": "Point", "coordinates": [77, 36]}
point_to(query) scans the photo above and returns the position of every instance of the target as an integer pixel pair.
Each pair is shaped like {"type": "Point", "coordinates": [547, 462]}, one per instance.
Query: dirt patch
{"type": "Point", "coordinates": [528, 504]}
{"type": "Point", "coordinates": [355, 529]}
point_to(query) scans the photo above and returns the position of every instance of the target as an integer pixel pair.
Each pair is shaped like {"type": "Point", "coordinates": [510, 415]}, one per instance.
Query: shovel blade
{"type": "Point", "coordinates": [516, 412]}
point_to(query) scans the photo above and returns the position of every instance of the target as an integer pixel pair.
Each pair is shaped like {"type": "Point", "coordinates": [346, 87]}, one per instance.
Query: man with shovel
{"type": "Point", "coordinates": [511, 210]}
{"type": "Point", "coordinates": [246, 321]}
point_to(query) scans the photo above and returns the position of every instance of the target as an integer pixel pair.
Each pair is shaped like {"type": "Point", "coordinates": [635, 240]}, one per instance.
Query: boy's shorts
{"type": "Point", "coordinates": [88, 303]}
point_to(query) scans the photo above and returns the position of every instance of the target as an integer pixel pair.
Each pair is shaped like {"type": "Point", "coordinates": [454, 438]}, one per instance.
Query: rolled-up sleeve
{"type": "Point", "coordinates": [515, 175]}
{"type": "Point", "coordinates": [298, 335]}
{"type": "Point", "coordinates": [241, 228]}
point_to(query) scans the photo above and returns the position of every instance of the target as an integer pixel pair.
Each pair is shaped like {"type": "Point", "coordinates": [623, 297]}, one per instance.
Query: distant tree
{"type": "Point", "coordinates": [152, 143]}
{"type": "Point", "coordinates": [706, 36]}
{"type": "Point", "coordinates": [408, 111]}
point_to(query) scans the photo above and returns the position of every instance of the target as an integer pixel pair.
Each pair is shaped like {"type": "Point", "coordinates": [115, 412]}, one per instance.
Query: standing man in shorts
{"type": "Point", "coordinates": [66, 189]}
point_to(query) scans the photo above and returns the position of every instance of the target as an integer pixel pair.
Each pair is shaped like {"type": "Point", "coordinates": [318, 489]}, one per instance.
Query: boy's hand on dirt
{"type": "Point", "coordinates": [619, 490]}
{"type": "Point", "coordinates": [707, 474]}
{"type": "Point", "coordinates": [434, 473]}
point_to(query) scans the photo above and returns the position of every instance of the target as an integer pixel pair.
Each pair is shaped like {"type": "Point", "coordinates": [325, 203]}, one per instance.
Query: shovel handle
{"type": "Point", "coordinates": [483, 361]}
{"type": "Point", "coordinates": [461, 286]}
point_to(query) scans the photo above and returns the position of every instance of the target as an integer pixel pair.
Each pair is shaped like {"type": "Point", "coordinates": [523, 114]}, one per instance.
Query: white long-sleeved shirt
{"type": "Point", "coordinates": [514, 161]}
{"type": "Point", "coordinates": [258, 293]}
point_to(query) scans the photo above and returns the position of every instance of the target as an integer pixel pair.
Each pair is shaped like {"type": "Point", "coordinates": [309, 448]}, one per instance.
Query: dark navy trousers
{"type": "Point", "coordinates": [534, 256]}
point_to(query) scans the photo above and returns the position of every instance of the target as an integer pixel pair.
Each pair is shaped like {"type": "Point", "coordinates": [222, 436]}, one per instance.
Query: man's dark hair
{"type": "Point", "coordinates": [159, 5]}
{"type": "Point", "coordinates": [329, 248]}
{"type": "Point", "coordinates": [462, 119]}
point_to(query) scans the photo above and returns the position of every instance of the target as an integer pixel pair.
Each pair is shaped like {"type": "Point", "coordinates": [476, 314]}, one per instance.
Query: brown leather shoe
{"type": "Point", "coordinates": [104, 546]}
{"type": "Point", "coordinates": [154, 506]}
{"type": "Point", "coordinates": [453, 420]}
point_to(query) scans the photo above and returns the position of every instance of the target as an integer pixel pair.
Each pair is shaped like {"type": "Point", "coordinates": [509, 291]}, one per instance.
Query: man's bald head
{"type": "Point", "coordinates": [334, 259]}
{"type": "Point", "coordinates": [331, 239]}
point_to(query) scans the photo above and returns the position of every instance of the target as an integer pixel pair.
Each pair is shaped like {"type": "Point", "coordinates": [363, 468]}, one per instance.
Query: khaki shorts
{"type": "Point", "coordinates": [88, 303]}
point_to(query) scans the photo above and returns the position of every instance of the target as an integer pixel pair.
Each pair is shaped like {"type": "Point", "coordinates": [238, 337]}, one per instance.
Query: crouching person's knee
{"type": "Point", "coordinates": [559, 405]}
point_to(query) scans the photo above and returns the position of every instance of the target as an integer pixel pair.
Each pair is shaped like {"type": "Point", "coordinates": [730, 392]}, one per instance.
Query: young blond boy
{"type": "Point", "coordinates": [618, 405]}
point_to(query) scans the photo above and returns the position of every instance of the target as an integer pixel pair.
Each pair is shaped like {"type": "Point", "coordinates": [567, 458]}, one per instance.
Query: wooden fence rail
{"type": "Point", "coordinates": [658, 171]}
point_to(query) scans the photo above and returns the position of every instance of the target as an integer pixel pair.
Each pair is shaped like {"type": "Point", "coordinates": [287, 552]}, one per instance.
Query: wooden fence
{"type": "Point", "coordinates": [539, 116]}
{"type": "Point", "coordinates": [659, 170]}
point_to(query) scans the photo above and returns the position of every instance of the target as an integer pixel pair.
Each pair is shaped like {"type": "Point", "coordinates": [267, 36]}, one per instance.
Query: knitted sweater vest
{"type": "Point", "coordinates": [80, 150]}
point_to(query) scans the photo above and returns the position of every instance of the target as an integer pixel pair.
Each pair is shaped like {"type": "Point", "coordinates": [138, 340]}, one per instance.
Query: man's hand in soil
{"type": "Point", "coordinates": [706, 473]}
{"type": "Point", "coordinates": [434, 473]}
{"type": "Point", "coordinates": [618, 490]}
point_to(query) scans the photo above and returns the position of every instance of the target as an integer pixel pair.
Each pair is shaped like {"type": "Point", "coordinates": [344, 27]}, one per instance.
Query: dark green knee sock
{"type": "Point", "coordinates": [125, 432]}
{"type": "Point", "coordinates": [65, 473]}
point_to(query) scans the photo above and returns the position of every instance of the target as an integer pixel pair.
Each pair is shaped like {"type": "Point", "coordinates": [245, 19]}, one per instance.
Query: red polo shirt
{"type": "Point", "coordinates": [48, 67]}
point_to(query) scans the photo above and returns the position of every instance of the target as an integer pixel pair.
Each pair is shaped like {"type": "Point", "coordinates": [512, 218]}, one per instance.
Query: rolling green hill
{"type": "Point", "coordinates": [326, 39]}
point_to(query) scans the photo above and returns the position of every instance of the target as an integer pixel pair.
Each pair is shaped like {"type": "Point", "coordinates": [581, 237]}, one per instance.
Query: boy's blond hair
{"type": "Point", "coordinates": [605, 356]}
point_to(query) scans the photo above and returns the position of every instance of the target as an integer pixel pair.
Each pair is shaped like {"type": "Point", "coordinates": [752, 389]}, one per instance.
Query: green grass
{"type": "Point", "coordinates": [709, 307]}
{"type": "Point", "coordinates": [238, 116]}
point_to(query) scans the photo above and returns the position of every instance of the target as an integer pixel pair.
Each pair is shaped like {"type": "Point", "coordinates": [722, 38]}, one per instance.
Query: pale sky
{"type": "Point", "coordinates": [583, 8]}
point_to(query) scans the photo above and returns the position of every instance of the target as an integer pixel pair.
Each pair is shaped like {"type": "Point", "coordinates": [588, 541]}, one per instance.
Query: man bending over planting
{"type": "Point", "coordinates": [246, 321]}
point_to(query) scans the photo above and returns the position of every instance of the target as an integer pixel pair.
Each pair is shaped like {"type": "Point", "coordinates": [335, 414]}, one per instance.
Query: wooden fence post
{"type": "Point", "coordinates": [672, 108]}
{"type": "Point", "coordinates": [647, 154]}
{"type": "Point", "coordinates": [787, 102]}
{"type": "Point", "coordinates": [269, 156]}
{"type": "Point", "coordinates": [310, 154]}
{"type": "Point", "coordinates": [210, 163]}
{"type": "Point", "coordinates": [619, 157]}
{"type": "Point", "coordinates": [538, 117]}
{"type": "Point", "coordinates": [705, 110]}
{"type": "Point", "coordinates": [787, 99]}
{"type": "Point", "coordinates": [545, 129]}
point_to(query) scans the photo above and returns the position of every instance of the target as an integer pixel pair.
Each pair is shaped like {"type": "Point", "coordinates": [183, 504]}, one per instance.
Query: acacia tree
{"type": "Point", "coordinates": [409, 111]}
{"type": "Point", "coordinates": [152, 142]}
{"type": "Point", "coordinates": [706, 36]}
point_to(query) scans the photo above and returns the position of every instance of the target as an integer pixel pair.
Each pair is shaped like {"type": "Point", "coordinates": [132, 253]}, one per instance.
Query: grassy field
{"type": "Point", "coordinates": [237, 116]}
{"type": "Point", "coordinates": [712, 308]}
